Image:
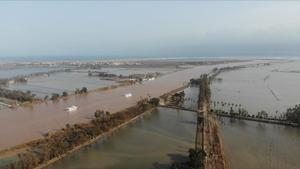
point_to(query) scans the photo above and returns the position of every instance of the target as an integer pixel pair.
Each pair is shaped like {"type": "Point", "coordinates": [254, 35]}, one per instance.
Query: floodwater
{"type": "Point", "coordinates": [191, 97]}
{"type": "Point", "coordinates": [152, 142]}
{"type": "Point", "coordinates": [254, 145]}
{"type": "Point", "coordinates": [9, 73]}
{"type": "Point", "coordinates": [69, 81]}
{"type": "Point", "coordinates": [60, 82]}
{"type": "Point", "coordinates": [165, 135]}
{"type": "Point", "coordinates": [37, 119]}
{"type": "Point", "coordinates": [128, 71]}
{"type": "Point", "coordinates": [271, 88]}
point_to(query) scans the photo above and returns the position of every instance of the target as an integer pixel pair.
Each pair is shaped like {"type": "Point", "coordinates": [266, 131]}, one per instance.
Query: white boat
{"type": "Point", "coordinates": [71, 108]}
{"type": "Point", "coordinates": [128, 95]}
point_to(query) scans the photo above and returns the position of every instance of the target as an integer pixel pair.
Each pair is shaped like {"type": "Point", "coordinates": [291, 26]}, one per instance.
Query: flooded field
{"type": "Point", "coordinates": [36, 119]}
{"type": "Point", "coordinates": [128, 71]}
{"type": "Point", "coordinates": [165, 135]}
{"type": "Point", "coordinates": [9, 73]}
{"type": "Point", "coordinates": [152, 142]}
{"type": "Point", "coordinates": [271, 88]}
{"type": "Point", "coordinates": [254, 145]}
{"type": "Point", "coordinates": [69, 81]}
{"type": "Point", "coordinates": [60, 82]}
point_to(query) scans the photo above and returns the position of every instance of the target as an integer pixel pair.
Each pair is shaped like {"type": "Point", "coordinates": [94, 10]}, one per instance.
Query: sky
{"type": "Point", "coordinates": [149, 28]}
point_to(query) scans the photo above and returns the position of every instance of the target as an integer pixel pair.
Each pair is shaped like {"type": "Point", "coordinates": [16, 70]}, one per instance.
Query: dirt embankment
{"type": "Point", "coordinates": [214, 145]}
{"type": "Point", "coordinates": [211, 140]}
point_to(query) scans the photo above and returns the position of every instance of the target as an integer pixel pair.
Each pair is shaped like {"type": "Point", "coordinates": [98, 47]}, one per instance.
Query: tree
{"type": "Point", "coordinates": [65, 94]}
{"type": "Point", "coordinates": [77, 91]}
{"type": "Point", "coordinates": [197, 157]}
{"type": "Point", "coordinates": [293, 114]}
{"type": "Point", "coordinates": [84, 90]}
{"type": "Point", "coordinates": [68, 126]}
{"type": "Point", "coordinates": [262, 114]}
{"type": "Point", "coordinates": [243, 112]}
{"type": "Point", "coordinates": [231, 111]}
{"type": "Point", "coordinates": [154, 101]}
{"type": "Point", "coordinates": [54, 96]}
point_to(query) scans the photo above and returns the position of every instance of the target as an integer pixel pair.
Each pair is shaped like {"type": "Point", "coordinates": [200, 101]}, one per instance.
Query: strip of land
{"type": "Point", "coordinates": [25, 124]}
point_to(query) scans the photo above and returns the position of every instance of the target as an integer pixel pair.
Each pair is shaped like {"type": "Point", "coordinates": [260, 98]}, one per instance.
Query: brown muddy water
{"type": "Point", "coordinates": [37, 119]}
{"type": "Point", "coordinates": [165, 135]}
{"type": "Point", "coordinates": [159, 138]}
{"type": "Point", "coordinates": [154, 141]}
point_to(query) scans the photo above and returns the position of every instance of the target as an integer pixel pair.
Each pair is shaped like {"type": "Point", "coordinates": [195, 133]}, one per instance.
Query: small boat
{"type": "Point", "coordinates": [128, 95]}
{"type": "Point", "coordinates": [71, 108]}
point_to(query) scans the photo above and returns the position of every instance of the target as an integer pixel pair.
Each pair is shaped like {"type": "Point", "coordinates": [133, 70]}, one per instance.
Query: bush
{"type": "Point", "coordinates": [154, 101]}
{"type": "Point", "coordinates": [84, 90]}
{"type": "Point", "coordinates": [54, 96]}
{"type": "Point", "coordinates": [197, 157]}
{"type": "Point", "coordinates": [17, 95]}
{"type": "Point", "coordinates": [65, 94]}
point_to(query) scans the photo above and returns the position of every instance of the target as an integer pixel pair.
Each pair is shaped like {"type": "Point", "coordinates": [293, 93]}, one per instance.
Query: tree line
{"type": "Point", "coordinates": [58, 143]}
{"type": "Point", "coordinates": [17, 95]}
{"type": "Point", "coordinates": [56, 96]}
{"type": "Point", "coordinates": [293, 114]}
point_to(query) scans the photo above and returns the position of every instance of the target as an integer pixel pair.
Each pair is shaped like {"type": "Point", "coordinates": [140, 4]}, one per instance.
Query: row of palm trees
{"type": "Point", "coordinates": [222, 103]}
{"type": "Point", "coordinates": [233, 108]}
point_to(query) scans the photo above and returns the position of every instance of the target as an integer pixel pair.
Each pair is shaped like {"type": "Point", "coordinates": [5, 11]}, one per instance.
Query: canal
{"type": "Point", "coordinates": [255, 145]}
{"type": "Point", "coordinates": [154, 141]}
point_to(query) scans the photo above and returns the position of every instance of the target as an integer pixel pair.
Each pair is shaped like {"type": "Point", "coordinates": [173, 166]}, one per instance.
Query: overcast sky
{"type": "Point", "coordinates": [130, 28]}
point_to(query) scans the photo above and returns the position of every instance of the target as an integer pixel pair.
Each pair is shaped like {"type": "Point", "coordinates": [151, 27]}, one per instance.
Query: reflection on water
{"type": "Point", "coordinates": [166, 135]}
{"type": "Point", "coordinates": [254, 145]}
{"type": "Point", "coordinates": [191, 97]}
{"type": "Point", "coordinates": [152, 142]}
